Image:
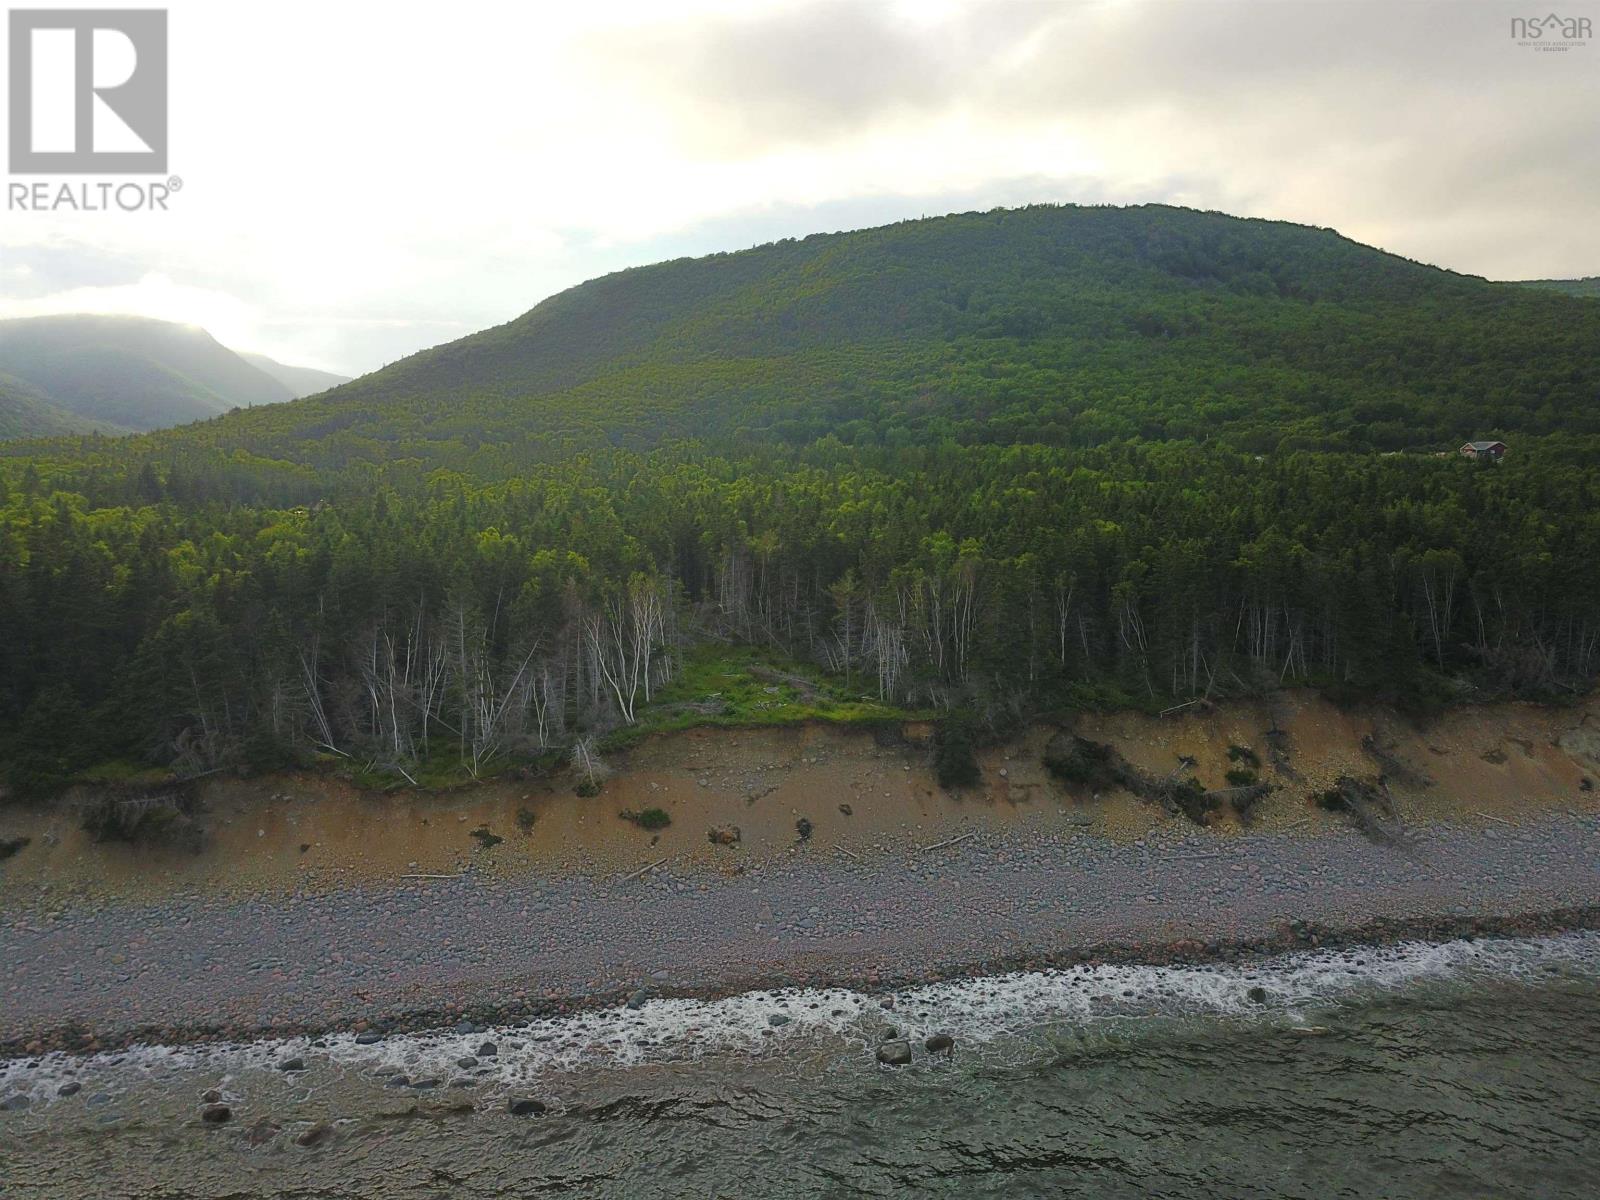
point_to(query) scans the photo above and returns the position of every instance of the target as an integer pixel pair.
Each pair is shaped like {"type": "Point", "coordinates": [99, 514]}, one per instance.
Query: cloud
{"type": "Point", "coordinates": [33, 270]}
{"type": "Point", "coordinates": [358, 188]}
{"type": "Point", "coordinates": [749, 84]}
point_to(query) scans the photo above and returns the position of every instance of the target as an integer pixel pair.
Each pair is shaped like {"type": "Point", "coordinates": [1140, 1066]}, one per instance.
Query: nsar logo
{"type": "Point", "coordinates": [1551, 32]}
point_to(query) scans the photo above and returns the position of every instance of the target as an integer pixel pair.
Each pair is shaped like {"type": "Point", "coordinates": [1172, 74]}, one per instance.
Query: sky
{"type": "Point", "coordinates": [363, 180]}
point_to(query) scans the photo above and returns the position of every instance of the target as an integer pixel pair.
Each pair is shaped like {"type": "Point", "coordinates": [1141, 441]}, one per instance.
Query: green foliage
{"type": "Point", "coordinates": [50, 745]}
{"type": "Point", "coordinates": [1242, 777]}
{"type": "Point", "coordinates": [650, 819]}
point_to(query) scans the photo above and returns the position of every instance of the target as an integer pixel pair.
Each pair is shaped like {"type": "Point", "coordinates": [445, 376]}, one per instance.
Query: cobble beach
{"type": "Point", "coordinates": [410, 951]}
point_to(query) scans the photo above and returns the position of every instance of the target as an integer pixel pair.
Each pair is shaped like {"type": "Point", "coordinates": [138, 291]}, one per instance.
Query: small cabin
{"type": "Point", "coordinates": [1491, 451]}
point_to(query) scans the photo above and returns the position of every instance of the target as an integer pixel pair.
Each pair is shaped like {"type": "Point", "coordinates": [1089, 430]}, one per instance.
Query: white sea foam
{"type": "Point", "coordinates": [979, 1011]}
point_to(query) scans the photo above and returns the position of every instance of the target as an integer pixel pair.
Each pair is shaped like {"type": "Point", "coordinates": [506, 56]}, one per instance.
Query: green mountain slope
{"type": "Point", "coordinates": [1064, 325]}
{"type": "Point", "coordinates": [1589, 286]}
{"type": "Point", "coordinates": [301, 381]}
{"type": "Point", "coordinates": [130, 371]}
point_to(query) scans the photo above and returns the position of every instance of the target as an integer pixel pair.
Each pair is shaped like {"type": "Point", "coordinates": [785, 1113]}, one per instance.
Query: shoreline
{"type": "Point", "coordinates": [1296, 936]}
{"type": "Point", "coordinates": [313, 908]}
{"type": "Point", "coordinates": [491, 952]}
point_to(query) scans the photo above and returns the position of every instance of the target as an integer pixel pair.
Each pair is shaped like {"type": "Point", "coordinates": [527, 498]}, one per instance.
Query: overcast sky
{"type": "Point", "coordinates": [362, 180]}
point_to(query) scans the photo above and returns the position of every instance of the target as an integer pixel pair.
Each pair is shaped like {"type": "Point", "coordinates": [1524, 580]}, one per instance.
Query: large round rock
{"type": "Point", "coordinates": [895, 1053]}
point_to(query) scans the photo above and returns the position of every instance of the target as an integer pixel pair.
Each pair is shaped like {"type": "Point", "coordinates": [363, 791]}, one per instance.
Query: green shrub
{"type": "Point", "coordinates": [1242, 777]}
{"type": "Point", "coordinates": [144, 820]}
{"type": "Point", "coordinates": [1245, 755]}
{"type": "Point", "coordinates": [650, 819]}
{"type": "Point", "coordinates": [1079, 761]}
{"type": "Point", "coordinates": [1190, 797]}
{"type": "Point", "coordinates": [525, 819]}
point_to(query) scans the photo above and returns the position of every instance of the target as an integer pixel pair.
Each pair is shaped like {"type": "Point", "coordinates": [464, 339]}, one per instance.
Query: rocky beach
{"type": "Point", "coordinates": [318, 909]}
{"type": "Point", "coordinates": [420, 952]}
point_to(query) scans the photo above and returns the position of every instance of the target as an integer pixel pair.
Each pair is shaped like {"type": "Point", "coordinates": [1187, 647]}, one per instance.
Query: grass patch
{"type": "Point", "coordinates": [121, 770]}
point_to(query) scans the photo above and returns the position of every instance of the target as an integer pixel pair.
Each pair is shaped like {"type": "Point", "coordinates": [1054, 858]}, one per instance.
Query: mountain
{"type": "Point", "coordinates": [301, 381]}
{"type": "Point", "coordinates": [1589, 286]}
{"type": "Point", "coordinates": [1054, 324]}
{"type": "Point", "coordinates": [131, 372]}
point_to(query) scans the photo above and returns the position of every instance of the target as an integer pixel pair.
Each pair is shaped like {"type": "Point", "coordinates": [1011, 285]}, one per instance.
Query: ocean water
{"type": "Point", "coordinates": [1460, 1069]}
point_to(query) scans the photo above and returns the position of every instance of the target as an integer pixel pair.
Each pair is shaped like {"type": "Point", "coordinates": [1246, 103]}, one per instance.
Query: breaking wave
{"type": "Point", "coordinates": [983, 1012]}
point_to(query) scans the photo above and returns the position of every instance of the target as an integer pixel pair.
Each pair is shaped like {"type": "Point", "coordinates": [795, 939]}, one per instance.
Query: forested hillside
{"type": "Point", "coordinates": [998, 463]}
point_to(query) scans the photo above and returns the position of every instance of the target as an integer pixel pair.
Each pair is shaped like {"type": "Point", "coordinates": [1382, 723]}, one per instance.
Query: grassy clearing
{"type": "Point", "coordinates": [742, 686]}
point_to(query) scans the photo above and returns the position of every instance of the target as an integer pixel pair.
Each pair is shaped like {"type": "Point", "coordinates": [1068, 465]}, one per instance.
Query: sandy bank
{"type": "Point", "coordinates": [861, 793]}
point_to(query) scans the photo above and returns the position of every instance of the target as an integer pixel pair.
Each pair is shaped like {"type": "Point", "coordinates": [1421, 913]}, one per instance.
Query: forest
{"type": "Point", "coordinates": [1062, 458]}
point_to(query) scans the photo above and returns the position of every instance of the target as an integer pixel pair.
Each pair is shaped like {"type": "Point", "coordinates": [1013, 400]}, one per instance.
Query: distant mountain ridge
{"type": "Point", "coordinates": [301, 381]}
{"type": "Point", "coordinates": [116, 374]}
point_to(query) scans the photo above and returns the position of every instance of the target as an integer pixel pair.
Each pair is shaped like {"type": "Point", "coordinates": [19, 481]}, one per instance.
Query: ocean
{"type": "Point", "coordinates": [1452, 1070]}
